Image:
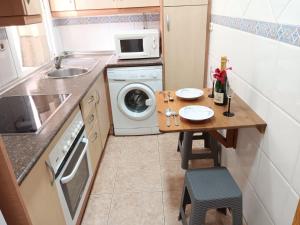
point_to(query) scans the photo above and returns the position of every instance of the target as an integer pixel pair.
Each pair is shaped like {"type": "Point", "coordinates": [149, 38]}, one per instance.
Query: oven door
{"type": "Point", "coordinates": [74, 180]}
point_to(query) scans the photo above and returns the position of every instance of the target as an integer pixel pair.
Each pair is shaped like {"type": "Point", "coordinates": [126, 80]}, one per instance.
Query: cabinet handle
{"type": "Point", "coordinates": [50, 168]}
{"type": "Point", "coordinates": [98, 97]}
{"type": "Point", "coordinates": [91, 99]}
{"type": "Point", "coordinates": [95, 136]}
{"type": "Point", "coordinates": [91, 118]}
{"type": "Point", "coordinates": [168, 23]}
{"type": "Point", "coordinates": [28, 2]}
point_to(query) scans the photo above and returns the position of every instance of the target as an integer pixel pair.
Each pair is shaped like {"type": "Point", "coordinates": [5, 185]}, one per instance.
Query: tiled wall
{"type": "Point", "coordinates": [261, 40]}
{"type": "Point", "coordinates": [96, 33]}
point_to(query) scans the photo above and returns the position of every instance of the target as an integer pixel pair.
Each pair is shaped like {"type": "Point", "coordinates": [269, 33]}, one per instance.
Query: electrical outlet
{"type": "Point", "coordinates": [2, 47]}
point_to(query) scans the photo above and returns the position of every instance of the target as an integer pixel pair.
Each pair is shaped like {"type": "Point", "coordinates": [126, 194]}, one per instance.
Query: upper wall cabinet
{"type": "Point", "coordinates": [95, 4]}
{"type": "Point", "coordinates": [111, 4]}
{"type": "Point", "coordinates": [62, 5]}
{"type": "Point", "coordinates": [19, 12]}
{"type": "Point", "coordinates": [136, 3]}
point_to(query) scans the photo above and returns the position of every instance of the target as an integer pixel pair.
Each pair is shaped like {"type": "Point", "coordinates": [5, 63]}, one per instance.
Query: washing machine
{"type": "Point", "coordinates": [132, 93]}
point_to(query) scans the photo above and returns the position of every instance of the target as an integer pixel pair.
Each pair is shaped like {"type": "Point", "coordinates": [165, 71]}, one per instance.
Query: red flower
{"type": "Point", "coordinates": [221, 75]}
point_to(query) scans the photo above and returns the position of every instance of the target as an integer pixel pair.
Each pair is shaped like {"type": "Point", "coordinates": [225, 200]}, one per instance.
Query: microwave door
{"type": "Point", "coordinates": [132, 45]}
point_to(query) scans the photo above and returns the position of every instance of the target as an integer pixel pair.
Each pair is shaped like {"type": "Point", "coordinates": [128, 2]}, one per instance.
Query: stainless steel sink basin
{"type": "Point", "coordinates": [67, 72]}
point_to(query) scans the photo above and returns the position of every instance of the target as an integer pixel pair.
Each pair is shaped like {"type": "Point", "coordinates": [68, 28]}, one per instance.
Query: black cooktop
{"type": "Point", "coordinates": [27, 114]}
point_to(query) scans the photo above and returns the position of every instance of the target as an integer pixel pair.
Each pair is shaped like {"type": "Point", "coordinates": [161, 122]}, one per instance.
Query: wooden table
{"type": "Point", "coordinates": [244, 117]}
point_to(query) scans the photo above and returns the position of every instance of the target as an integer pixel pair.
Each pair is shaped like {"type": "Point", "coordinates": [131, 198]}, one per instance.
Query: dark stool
{"type": "Point", "coordinates": [208, 189]}
{"type": "Point", "coordinates": [185, 147]}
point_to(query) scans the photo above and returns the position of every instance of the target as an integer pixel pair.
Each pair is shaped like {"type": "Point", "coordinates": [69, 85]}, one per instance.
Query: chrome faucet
{"type": "Point", "coordinates": [58, 60]}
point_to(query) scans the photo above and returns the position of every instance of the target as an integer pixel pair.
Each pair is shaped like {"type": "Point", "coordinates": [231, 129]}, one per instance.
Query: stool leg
{"type": "Point", "coordinates": [186, 149]}
{"type": "Point", "coordinates": [179, 141]}
{"type": "Point", "coordinates": [206, 138]}
{"type": "Point", "coordinates": [185, 199]}
{"type": "Point", "coordinates": [197, 216]}
{"type": "Point", "coordinates": [237, 215]}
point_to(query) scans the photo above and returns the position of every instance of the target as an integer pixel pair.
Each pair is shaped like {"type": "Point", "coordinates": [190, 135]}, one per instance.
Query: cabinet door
{"type": "Point", "coordinates": [102, 109]}
{"type": "Point", "coordinates": [136, 3]}
{"type": "Point", "coordinates": [33, 7]}
{"type": "Point", "coordinates": [95, 4]}
{"type": "Point", "coordinates": [185, 46]}
{"type": "Point", "coordinates": [20, 7]}
{"type": "Point", "coordinates": [95, 145]}
{"type": "Point", "coordinates": [62, 5]}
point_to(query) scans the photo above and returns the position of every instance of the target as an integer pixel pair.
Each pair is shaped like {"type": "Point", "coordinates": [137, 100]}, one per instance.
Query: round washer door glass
{"type": "Point", "coordinates": [137, 101]}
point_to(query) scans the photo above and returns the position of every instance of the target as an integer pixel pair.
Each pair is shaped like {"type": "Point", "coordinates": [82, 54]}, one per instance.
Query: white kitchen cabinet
{"type": "Point", "coordinates": [185, 45]}
{"type": "Point", "coordinates": [62, 5]}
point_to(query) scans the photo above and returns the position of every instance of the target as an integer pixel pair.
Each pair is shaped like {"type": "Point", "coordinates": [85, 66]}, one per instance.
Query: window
{"type": "Point", "coordinates": [32, 45]}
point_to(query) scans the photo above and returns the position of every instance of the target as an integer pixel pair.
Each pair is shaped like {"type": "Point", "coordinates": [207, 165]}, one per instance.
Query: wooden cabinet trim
{"type": "Point", "coordinates": [11, 204]}
{"type": "Point", "coordinates": [19, 20]}
{"type": "Point", "coordinates": [101, 12]}
{"type": "Point", "coordinates": [297, 216]}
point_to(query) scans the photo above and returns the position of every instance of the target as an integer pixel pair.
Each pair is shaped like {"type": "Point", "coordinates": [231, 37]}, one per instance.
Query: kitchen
{"type": "Point", "coordinates": [97, 126]}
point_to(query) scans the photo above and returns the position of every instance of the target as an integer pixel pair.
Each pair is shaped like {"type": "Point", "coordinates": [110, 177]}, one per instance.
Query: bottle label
{"type": "Point", "coordinates": [219, 97]}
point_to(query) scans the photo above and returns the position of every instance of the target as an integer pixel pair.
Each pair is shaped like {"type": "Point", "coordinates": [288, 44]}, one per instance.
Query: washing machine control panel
{"type": "Point", "coordinates": [135, 73]}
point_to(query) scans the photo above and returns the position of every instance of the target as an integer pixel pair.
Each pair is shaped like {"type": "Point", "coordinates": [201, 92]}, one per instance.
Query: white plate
{"type": "Point", "coordinates": [196, 112]}
{"type": "Point", "coordinates": [189, 93]}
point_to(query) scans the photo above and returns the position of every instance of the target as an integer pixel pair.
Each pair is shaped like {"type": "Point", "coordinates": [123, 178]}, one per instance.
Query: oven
{"type": "Point", "coordinates": [72, 171]}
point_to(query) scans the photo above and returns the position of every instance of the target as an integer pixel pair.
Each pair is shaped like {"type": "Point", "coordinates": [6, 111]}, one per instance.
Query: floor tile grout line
{"type": "Point", "coordinates": [161, 182]}
{"type": "Point", "coordinates": [113, 192]}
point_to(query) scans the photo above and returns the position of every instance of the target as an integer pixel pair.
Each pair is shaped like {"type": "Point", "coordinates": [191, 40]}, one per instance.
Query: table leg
{"type": "Point", "coordinates": [187, 145]}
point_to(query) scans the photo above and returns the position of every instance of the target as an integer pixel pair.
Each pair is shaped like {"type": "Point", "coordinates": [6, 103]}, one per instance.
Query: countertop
{"type": "Point", "coordinates": [25, 150]}
{"type": "Point", "coordinates": [115, 62]}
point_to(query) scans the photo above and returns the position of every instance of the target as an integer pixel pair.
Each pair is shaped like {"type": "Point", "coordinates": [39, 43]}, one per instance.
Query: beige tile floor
{"type": "Point", "coordinates": [139, 182]}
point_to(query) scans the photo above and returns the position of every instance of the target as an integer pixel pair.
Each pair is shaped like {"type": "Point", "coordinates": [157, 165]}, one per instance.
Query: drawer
{"type": "Point", "coordinates": [88, 102]}
{"type": "Point", "coordinates": [90, 120]}
{"type": "Point", "coordinates": [184, 2]}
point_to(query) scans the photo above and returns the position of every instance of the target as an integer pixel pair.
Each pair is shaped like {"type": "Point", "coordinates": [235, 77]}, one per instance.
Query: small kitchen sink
{"type": "Point", "coordinates": [67, 72]}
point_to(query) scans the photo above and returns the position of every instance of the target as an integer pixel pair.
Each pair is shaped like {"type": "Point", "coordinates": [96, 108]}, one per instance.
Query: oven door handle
{"type": "Point", "coordinates": [68, 178]}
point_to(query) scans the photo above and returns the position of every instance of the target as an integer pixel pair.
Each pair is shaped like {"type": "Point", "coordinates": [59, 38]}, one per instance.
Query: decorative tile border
{"type": "Point", "coordinates": [150, 17]}
{"type": "Point", "coordinates": [289, 34]}
{"type": "Point", "coordinates": [3, 35]}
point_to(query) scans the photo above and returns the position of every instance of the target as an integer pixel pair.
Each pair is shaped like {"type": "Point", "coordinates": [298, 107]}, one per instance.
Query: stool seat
{"type": "Point", "coordinates": [212, 184]}
{"type": "Point", "coordinates": [211, 188]}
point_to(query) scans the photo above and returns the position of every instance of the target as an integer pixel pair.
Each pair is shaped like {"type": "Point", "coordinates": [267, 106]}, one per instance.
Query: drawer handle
{"type": "Point", "coordinates": [95, 136]}
{"type": "Point", "coordinates": [91, 99]}
{"type": "Point", "coordinates": [91, 118]}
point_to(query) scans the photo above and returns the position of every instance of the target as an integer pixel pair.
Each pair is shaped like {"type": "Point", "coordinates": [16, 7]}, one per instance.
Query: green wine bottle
{"type": "Point", "coordinates": [220, 97]}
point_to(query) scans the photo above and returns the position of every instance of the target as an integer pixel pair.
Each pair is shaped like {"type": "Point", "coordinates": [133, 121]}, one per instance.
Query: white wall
{"type": "Point", "coordinates": [266, 75]}
{"type": "Point", "coordinates": [93, 36]}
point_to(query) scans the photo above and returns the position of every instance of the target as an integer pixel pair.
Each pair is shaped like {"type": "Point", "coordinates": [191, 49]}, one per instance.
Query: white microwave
{"type": "Point", "coordinates": [137, 44]}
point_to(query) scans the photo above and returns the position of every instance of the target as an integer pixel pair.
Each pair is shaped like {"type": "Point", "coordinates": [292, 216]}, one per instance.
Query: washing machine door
{"type": "Point", "coordinates": [137, 101]}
